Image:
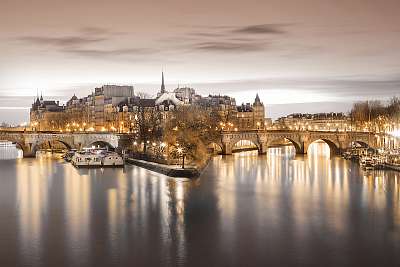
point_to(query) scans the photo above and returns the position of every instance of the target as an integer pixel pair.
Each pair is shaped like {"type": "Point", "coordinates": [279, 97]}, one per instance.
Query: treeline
{"type": "Point", "coordinates": [376, 115]}
{"type": "Point", "coordinates": [376, 110]}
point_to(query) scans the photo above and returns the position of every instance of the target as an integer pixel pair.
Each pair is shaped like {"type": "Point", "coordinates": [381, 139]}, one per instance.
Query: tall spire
{"type": "Point", "coordinates": [162, 83]}
{"type": "Point", "coordinates": [257, 100]}
{"type": "Point", "coordinates": [41, 96]}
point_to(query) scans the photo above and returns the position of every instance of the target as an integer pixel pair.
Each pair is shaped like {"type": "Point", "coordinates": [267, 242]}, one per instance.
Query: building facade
{"type": "Point", "coordinates": [116, 108]}
{"type": "Point", "coordinates": [314, 122]}
{"type": "Point", "coordinates": [251, 116]}
{"type": "Point", "coordinates": [46, 115]}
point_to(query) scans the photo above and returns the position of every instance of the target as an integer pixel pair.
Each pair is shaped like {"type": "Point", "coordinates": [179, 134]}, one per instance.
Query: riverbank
{"type": "Point", "coordinates": [169, 170]}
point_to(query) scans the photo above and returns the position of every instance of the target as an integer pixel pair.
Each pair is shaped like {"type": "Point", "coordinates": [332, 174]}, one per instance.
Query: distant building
{"type": "Point", "coordinates": [223, 104]}
{"type": "Point", "coordinates": [116, 108]}
{"type": "Point", "coordinates": [46, 114]}
{"type": "Point", "coordinates": [314, 122]}
{"type": "Point", "coordinates": [106, 98]}
{"type": "Point", "coordinates": [186, 95]}
{"type": "Point", "coordinates": [251, 116]}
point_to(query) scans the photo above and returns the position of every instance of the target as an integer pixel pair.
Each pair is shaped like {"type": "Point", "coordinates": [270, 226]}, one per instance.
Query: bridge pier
{"type": "Point", "coordinates": [262, 150]}
{"type": "Point", "coordinates": [28, 154]}
{"type": "Point", "coordinates": [27, 150]}
{"type": "Point", "coordinates": [227, 149]}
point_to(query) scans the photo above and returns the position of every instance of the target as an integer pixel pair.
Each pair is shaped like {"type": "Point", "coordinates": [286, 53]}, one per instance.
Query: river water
{"type": "Point", "coordinates": [245, 210]}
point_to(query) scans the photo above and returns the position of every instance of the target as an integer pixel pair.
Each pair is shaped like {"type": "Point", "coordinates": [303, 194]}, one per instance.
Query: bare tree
{"type": "Point", "coordinates": [189, 131]}
{"type": "Point", "coordinates": [149, 126]}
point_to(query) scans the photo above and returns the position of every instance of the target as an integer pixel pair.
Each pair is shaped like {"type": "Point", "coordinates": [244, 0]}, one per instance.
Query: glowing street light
{"type": "Point", "coordinates": [180, 152]}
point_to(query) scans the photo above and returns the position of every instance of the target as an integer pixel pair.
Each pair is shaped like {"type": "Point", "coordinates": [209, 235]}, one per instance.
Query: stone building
{"type": "Point", "coordinates": [224, 105]}
{"type": "Point", "coordinates": [314, 122]}
{"type": "Point", "coordinates": [80, 112]}
{"type": "Point", "coordinates": [186, 94]}
{"type": "Point", "coordinates": [251, 116]}
{"type": "Point", "coordinates": [106, 98]}
{"type": "Point", "coordinates": [116, 108]}
{"type": "Point", "coordinates": [46, 115]}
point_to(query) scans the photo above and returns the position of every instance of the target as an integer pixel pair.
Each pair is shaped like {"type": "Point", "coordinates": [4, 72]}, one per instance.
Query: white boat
{"type": "Point", "coordinates": [367, 162]}
{"type": "Point", "coordinates": [97, 158]}
{"type": "Point", "coordinates": [4, 143]}
{"type": "Point", "coordinates": [9, 150]}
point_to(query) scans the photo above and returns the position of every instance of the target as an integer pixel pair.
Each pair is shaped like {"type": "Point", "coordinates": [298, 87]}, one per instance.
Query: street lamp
{"type": "Point", "coordinates": [180, 152]}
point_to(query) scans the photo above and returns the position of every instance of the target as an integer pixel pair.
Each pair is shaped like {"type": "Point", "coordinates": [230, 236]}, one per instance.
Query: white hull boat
{"type": "Point", "coordinates": [97, 159]}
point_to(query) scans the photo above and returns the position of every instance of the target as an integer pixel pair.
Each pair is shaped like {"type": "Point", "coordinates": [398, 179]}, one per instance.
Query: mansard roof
{"type": "Point", "coordinates": [168, 97]}
{"type": "Point", "coordinates": [145, 102]}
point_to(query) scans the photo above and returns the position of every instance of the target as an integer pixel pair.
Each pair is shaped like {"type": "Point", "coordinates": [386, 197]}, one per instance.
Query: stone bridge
{"type": "Point", "coordinates": [337, 141]}
{"type": "Point", "coordinates": [29, 142]}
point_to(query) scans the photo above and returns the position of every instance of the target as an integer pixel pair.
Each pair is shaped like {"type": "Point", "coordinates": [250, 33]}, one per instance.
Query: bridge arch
{"type": "Point", "coordinates": [19, 145]}
{"type": "Point", "coordinates": [245, 144]}
{"type": "Point", "coordinates": [37, 145]}
{"type": "Point", "coordinates": [103, 140]}
{"type": "Point", "coordinates": [334, 146]}
{"type": "Point", "coordinates": [215, 147]}
{"type": "Point", "coordinates": [285, 140]}
{"type": "Point", "coordinates": [359, 143]}
{"type": "Point", "coordinates": [100, 144]}
{"type": "Point", "coordinates": [19, 142]}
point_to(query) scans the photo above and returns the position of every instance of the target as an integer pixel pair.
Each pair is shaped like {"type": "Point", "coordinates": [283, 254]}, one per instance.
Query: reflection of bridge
{"type": "Point", "coordinates": [337, 141]}
{"type": "Point", "coordinates": [30, 142]}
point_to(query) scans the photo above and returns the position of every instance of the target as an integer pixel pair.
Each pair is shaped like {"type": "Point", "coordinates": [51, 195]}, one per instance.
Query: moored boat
{"type": "Point", "coordinates": [68, 155]}
{"type": "Point", "coordinates": [96, 159]}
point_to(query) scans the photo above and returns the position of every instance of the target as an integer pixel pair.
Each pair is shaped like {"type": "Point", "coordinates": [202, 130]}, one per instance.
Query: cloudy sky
{"type": "Point", "coordinates": [299, 55]}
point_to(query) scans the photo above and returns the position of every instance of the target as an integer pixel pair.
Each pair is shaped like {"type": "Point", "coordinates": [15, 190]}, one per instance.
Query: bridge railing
{"type": "Point", "coordinates": [296, 131]}
{"type": "Point", "coordinates": [57, 132]}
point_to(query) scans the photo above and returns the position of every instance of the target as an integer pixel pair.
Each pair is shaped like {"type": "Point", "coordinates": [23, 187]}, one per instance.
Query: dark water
{"type": "Point", "coordinates": [245, 210]}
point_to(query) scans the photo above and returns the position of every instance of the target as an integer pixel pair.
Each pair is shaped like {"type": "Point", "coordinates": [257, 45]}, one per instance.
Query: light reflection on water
{"type": "Point", "coordinates": [245, 210]}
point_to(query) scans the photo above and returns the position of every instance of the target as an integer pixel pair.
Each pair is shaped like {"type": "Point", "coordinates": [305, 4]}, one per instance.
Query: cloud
{"type": "Point", "coordinates": [261, 29]}
{"type": "Point", "coordinates": [230, 46]}
{"type": "Point", "coordinates": [112, 52]}
{"type": "Point", "coordinates": [95, 31]}
{"type": "Point", "coordinates": [87, 43]}
{"type": "Point", "coordinates": [228, 30]}
{"type": "Point", "coordinates": [206, 34]}
{"type": "Point", "coordinates": [64, 41]}
{"type": "Point", "coordinates": [84, 36]}
{"type": "Point", "coordinates": [232, 39]}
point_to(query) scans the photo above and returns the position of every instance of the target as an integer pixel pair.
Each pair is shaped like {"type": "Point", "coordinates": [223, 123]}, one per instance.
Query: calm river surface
{"type": "Point", "coordinates": [245, 210]}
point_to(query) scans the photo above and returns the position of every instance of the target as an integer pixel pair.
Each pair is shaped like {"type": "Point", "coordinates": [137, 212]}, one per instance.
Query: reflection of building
{"type": "Point", "coordinates": [316, 122]}
{"type": "Point", "coordinates": [251, 116]}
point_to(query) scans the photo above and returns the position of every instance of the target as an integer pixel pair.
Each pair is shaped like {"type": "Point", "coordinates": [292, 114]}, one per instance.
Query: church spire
{"type": "Point", "coordinates": [257, 100]}
{"type": "Point", "coordinates": [162, 83]}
